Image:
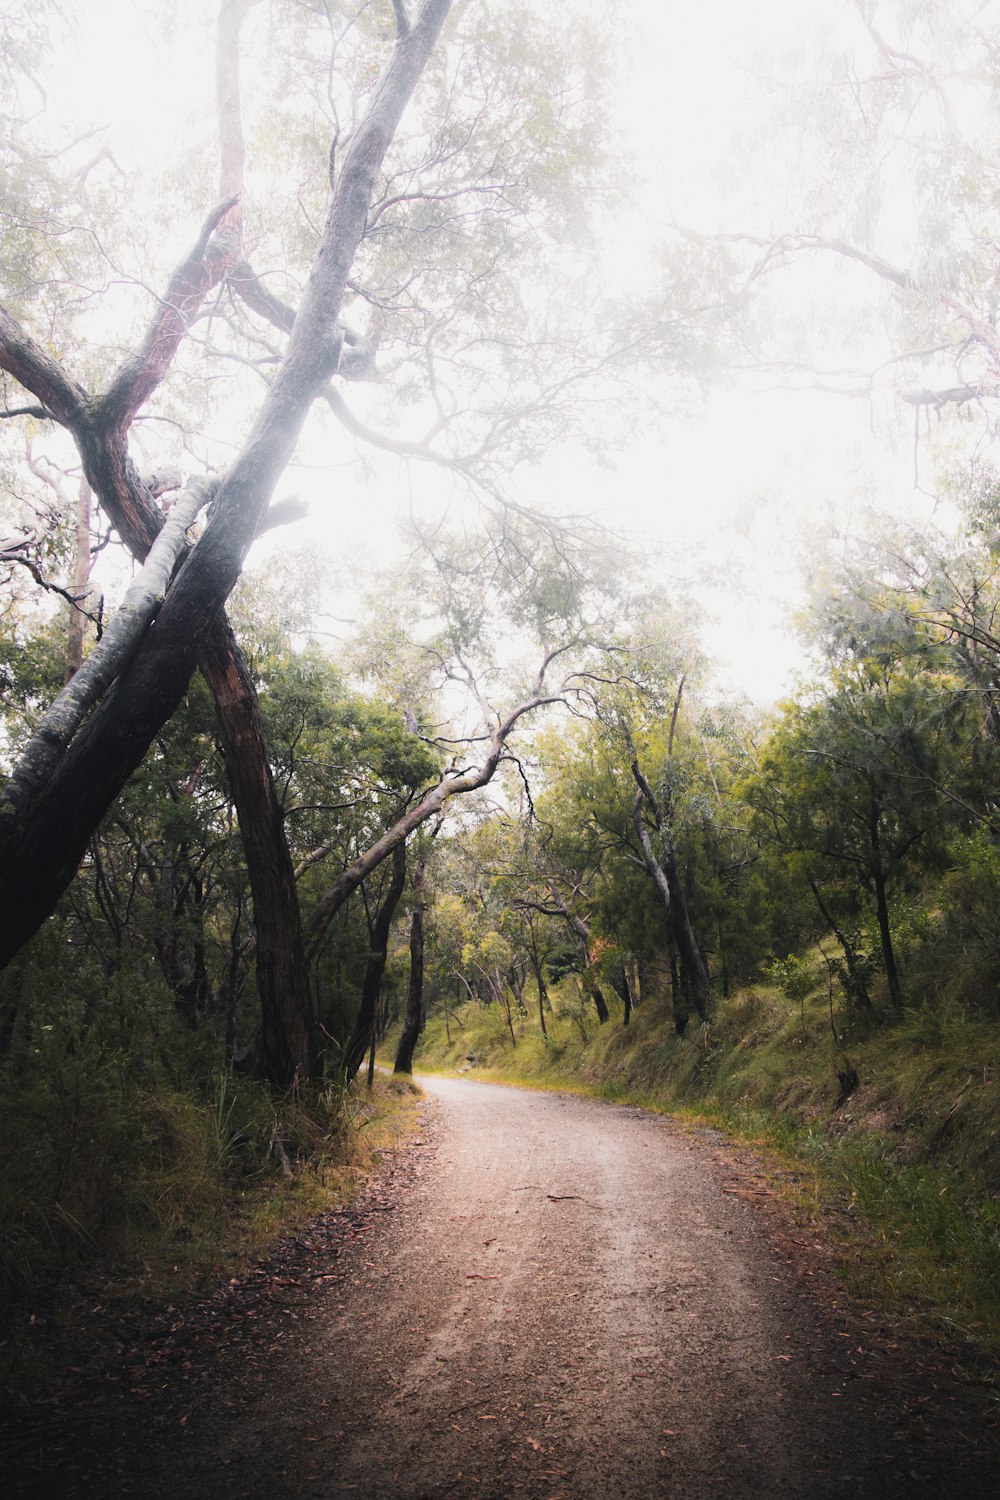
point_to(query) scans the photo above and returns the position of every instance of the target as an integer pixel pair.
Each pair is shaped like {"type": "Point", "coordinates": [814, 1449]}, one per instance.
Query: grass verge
{"type": "Point", "coordinates": [137, 1195]}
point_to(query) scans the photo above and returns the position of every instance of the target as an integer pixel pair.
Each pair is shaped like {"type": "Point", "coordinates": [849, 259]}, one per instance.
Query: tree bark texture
{"type": "Point", "coordinates": [413, 1021]}
{"type": "Point", "coordinates": [81, 581]}
{"type": "Point", "coordinates": [118, 644]}
{"type": "Point", "coordinates": [363, 1034]}
{"type": "Point", "coordinates": [288, 1037]}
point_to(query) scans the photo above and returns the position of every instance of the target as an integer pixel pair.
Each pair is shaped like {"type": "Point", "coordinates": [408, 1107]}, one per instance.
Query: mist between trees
{"type": "Point", "coordinates": [225, 846]}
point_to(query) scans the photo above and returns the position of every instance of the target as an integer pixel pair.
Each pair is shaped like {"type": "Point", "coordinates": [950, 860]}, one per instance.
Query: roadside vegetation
{"type": "Point", "coordinates": [141, 1187]}
{"type": "Point", "coordinates": [900, 1171]}
{"type": "Point", "coordinates": [490, 800]}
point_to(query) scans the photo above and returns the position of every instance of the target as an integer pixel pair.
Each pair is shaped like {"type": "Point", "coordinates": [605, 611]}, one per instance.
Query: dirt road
{"type": "Point", "coordinates": [557, 1298]}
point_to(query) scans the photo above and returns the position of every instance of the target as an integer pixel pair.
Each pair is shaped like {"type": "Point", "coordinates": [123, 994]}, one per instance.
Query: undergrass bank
{"type": "Point", "coordinates": [131, 1193]}
{"type": "Point", "coordinates": [902, 1165]}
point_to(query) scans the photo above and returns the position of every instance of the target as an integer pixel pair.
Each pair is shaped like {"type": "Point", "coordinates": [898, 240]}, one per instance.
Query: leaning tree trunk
{"type": "Point", "coordinates": [44, 843]}
{"type": "Point", "coordinates": [857, 986]}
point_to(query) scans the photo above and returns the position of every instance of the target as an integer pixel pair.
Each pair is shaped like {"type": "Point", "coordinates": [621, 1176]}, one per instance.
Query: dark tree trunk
{"type": "Point", "coordinates": [882, 908]}
{"type": "Point", "coordinates": [677, 1001]}
{"type": "Point", "coordinates": [624, 992]}
{"type": "Point", "coordinates": [600, 1004]}
{"type": "Point", "coordinates": [666, 879]}
{"type": "Point", "coordinates": [503, 999]}
{"type": "Point", "coordinates": [42, 848]}
{"type": "Point", "coordinates": [543, 993]}
{"type": "Point", "coordinates": [699, 989]}
{"type": "Point", "coordinates": [288, 1035]}
{"type": "Point", "coordinates": [855, 974]}
{"type": "Point", "coordinates": [372, 1049]}
{"type": "Point", "coordinates": [364, 1036]}
{"type": "Point", "coordinates": [885, 938]}
{"type": "Point", "coordinates": [413, 1021]}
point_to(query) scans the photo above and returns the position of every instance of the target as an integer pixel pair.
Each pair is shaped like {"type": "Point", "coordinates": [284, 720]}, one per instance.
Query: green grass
{"type": "Point", "coordinates": [149, 1192]}
{"type": "Point", "coordinates": [904, 1174]}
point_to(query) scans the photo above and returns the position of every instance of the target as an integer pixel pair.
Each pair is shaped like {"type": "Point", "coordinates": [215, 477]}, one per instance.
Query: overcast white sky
{"type": "Point", "coordinates": [740, 488]}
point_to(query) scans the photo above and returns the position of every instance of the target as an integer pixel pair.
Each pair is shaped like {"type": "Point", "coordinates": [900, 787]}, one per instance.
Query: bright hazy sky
{"type": "Point", "coordinates": [738, 491]}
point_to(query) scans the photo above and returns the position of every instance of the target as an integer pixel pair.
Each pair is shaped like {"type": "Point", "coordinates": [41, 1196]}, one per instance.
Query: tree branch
{"type": "Point", "coordinates": [139, 375]}
{"type": "Point", "coordinates": [63, 400]}
{"type": "Point", "coordinates": [142, 599]}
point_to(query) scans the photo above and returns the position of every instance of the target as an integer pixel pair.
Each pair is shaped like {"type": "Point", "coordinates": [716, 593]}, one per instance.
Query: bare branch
{"type": "Point", "coordinates": [63, 400]}
{"type": "Point", "coordinates": [28, 411]}
{"type": "Point", "coordinates": [139, 375]}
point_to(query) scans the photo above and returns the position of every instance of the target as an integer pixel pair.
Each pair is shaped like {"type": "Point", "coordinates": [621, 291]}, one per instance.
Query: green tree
{"type": "Point", "coordinates": [369, 280]}
{"type": "Point", "coordinates": [850, 783]}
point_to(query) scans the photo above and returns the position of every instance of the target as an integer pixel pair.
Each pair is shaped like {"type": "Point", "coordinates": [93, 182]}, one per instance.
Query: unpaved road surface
{"type": "Point", "coordinates": [553, 1297]}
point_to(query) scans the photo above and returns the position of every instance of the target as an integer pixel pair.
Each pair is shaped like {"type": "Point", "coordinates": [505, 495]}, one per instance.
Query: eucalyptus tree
{"type": "Point", "coordinates": [45, 830]}
{"type": "Point", "coordinates": [849, 784]}
{"type": "Point", "coordinates": [423, 254]}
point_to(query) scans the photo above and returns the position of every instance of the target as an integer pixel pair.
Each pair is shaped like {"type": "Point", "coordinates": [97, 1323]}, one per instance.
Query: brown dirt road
{"type": "Point", "coordinates": [545, 1296]}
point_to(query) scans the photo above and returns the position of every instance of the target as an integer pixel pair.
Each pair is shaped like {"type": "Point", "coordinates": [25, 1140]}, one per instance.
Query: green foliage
{"type": "Point", "coordinates": [108, 1160]}
{"type": "Point", "coordinates": [794, 976]}
{"type": "Point", "coordinates": [903, 1172]}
